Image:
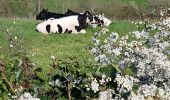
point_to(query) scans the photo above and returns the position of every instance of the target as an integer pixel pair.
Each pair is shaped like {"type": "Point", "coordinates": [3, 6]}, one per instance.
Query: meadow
{"type": "Point", "coordinates": [40, 48]}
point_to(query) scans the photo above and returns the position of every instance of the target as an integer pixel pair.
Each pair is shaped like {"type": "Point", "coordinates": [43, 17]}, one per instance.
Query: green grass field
{"type": "Point", "coordinates": [40, 48]}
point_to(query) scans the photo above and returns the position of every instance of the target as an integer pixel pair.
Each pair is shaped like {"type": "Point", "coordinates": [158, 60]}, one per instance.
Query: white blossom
{"type": "Point", "coordinates": [95, 86]}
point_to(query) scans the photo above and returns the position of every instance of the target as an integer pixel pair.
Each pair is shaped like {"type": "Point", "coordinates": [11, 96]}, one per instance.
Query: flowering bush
{"type": "Point", "coordinates": [144, 52]}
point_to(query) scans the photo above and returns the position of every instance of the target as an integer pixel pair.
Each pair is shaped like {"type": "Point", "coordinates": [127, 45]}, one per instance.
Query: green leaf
{"type": "Point", "coordinates": [18, 75]}
{"type": "Point", "coordinates": [41, 76]}
{"type": "Point", "coordinates": [44, 97]}
{"type": "Point", "coordinates": [108, 71]}
{"type": "Point", "coordinates": [4, 87]}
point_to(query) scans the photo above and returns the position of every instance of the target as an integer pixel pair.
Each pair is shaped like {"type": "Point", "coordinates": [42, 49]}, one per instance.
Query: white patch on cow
{"type": "Point", "coordinates": [83, 31]}
{"type": "Point", "coordinates": [42, 27]}
{"type": "Point", "coordinates": [51, 18]}
{"type": "Point", "coordinates": [107, 22]}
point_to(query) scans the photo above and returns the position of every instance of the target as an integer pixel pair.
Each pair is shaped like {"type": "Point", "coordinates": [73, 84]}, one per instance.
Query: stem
{"type": "Point", "coordinates": [69, 90]}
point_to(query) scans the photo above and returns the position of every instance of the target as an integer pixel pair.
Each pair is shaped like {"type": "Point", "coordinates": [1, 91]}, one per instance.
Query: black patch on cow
{"type": "Point", "coordinates": [102, 22]}
{"type": "Point", "coordinates": [98, 21]}
{"type": "Point", "coordinates": [90, 16]}
{"type": "Point", "coordinates": [82, 22]}
{"type": "Point", "coordinates": [70, 31]}
{"type": "Point", "coordinates": [78, 28]}
{"type": "Point", "coordinates": [66, 31]}
{"type": "Point", "coordinates": [60, 29]}
{"type": "Point", "coordinates": [48, 28]}
{"type": "Point", "coordinates": [70, 12]}
{"type": "Point", "coordinates": [45, 14]}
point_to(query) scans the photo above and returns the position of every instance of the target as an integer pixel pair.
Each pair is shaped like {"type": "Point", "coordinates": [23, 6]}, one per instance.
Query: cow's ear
{"type": "Point", "coordinates": [68, 10]}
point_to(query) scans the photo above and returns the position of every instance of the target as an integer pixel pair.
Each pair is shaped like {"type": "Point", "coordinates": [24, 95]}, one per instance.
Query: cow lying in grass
{"type": "Point", "coordinates": [68, 24]}
{"type": "Point", "coordinates": [45, 15]}
{"type": "Point", "coordinates": [98, 20]}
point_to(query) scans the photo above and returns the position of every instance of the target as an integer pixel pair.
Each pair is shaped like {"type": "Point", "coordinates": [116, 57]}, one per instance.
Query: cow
{"type": "Point", "coordinates": [98, 20]}
{"type": "Point", "coordinates": [45, 14]}
{"type": "Point", "coordinates": [69, 24]}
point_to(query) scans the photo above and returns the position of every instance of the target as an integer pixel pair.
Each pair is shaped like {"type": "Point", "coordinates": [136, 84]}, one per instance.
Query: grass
{"type": "Point", "coordinates": [140, 3]}
{"type": "Point", "coordinates": [41, 47]}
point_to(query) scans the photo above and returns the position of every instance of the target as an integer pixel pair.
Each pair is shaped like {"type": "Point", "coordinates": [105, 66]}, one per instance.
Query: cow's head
{"type": "Point", "coordinates": [42, 15]}
{"type": "Point", "coordinates": [88, 16]}
{"type": "Point", "coordinates": [100, 20]}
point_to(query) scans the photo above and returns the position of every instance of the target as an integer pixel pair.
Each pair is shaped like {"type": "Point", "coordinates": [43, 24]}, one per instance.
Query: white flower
{"type": "Point", "coordinates": [96, 41]}
{"type": "Point", "coordinates": [103, 76]}
{"type": "Point", "coordinates": [102, 59]}
{"type": "Point", "coordinates": [93, 50]}
{"type": "Point", "coordinates": [57, 82]}
{"type": "Point", "coordinates": [52, 57]}
{"type": "Point", "coordinates": [106, 95]}
{"type": "Point", "coordinates": [116, 51]}
{"type": "Point", "coordinates": [88, 89]}
{"type": "Point", "coordinates": [11, 45]}
{"type": "Point", "coordinates": [161, 92]}
{"type": "Point", "coordinates": [27, 96]}
{"type": "Point", "coordinates": [14, 97]}
{"type": "Point", "coordinates": [102, 81]}
{"type": "Point", "coordinates": [15, 37]}
{"type": "Point", "coordinates": [95, 86]}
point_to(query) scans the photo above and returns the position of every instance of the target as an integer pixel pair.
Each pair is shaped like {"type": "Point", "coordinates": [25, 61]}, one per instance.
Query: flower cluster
{"type": "Point", "coordinates": [27, 96]}
{"type": "Point", "coordinates": [148, 57]}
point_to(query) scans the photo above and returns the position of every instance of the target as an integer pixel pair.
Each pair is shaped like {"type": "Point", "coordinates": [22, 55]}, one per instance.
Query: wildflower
{"type": "Point", "coordinates": [33, 54]}
{"type": "Point", "coordinates": [94, 50]}
{"type": "Point", "coordinates": [57, 82]}
{"type": "Point", "coordinates": [14, 97]}
{"type": "Point", "coordinates": [116, 51]}
{"type": "Point", "coordinates": [96, 41]}
{"type": "Point", "coordinates": [15, 37]}
{"type": "Point", "coordinates": [113, 37]}
{"type": "Point", "coordinates": [11, 45]}
{"type": "Point", "coordinates": [95, 86]}
{"type": "Point", "coordinates": [106, 95]}
{"type": "Point", "coordinates": [52, 57]}
{"type": "Point", "coordinates": [88, 89]}
{"type": "Point", "coordinates": [27, 96]}
{"type": "Point", "coordinates": [103, 76]}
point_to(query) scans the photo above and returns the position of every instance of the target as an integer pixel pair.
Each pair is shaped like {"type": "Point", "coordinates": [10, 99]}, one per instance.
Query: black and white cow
{"type": "Point", "coordinates": [98, 20]}
{"type": "Point", "coordinates": [45, 14]}
{"type": "Point", "coordinates": [69, 24]}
